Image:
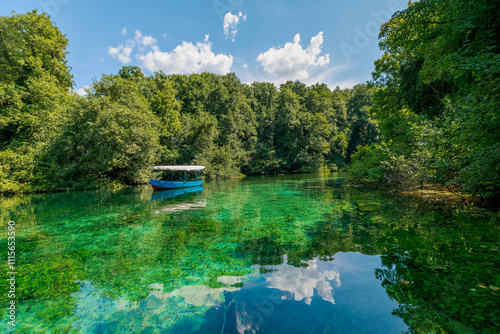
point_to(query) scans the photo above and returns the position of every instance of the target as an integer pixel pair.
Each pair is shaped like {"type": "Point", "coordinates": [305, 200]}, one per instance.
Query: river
{"type": "Point", "coordinates": [282, 254]}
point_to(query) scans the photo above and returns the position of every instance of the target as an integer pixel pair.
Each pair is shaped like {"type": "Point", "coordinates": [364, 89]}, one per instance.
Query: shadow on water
{"type": "Point", "coordinates": [284, 254]}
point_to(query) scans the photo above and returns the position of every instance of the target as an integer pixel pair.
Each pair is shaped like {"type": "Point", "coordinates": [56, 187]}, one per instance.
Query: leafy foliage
{"type": "Point", "coordinates": [108, 139]}
{"type": "Point", "coordinates": [52, 139]}
{"type": "Point", "coordinates": [34, 95]}
{"type": "Point", "coordinates": [438, 103]}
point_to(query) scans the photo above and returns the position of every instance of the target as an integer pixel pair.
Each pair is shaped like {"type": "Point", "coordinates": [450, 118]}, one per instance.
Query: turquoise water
{"type": "Point", "coordinates": [284, 254]}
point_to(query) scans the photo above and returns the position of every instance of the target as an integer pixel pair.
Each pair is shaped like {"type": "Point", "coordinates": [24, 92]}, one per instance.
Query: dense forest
{"type": "Point", "coordinates": [53, 139]}
{"type": "Point", "coordinates": [429, 118]}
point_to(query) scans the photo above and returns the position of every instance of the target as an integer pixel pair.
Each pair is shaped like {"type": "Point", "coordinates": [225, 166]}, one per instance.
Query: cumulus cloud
{"type": "Point", "coordinates": [145, 41]}
{"type": "Point", "coordinates": [122, 52]}
{"type": "Point", "coordinates": [124, 31]}
{"type": "Point", "coordinates": [184, 59]}
{"type": "Point", "coordinates": [187, 58]}
{"type": "Point", "coordinates": [292, 62]}
{"type": "Point", "coordinates": [231, 21]}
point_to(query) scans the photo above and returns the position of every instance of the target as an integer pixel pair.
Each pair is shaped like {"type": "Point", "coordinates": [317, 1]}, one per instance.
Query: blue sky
{"type": "Point", "coordinates": [333, 42]}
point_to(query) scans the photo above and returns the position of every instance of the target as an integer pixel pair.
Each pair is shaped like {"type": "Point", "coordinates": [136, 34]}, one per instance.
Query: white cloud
{"type": "Point", "coordinates": [148, 40]}
{"type": "Point", "coordinates": [303, 282]}
{"type": "Point", "coordinates": [230, 23]}
{"type": "Point", "coordinates": [145, 41]}
{"type": "Point", "coordinates": [82, 91]}
{"type": "Point", "coordinates": [124, 31]}
{"type": "Point", "coordinates": [187, 58]}
{"type": "Point", "coordinates": [122, 52]}
{"type": "Point", "coordinates": [184, 59]}
{"type": "Point", "coordinates": [138, 34]}
{"type": "Point", "coordinates": [292, 62]}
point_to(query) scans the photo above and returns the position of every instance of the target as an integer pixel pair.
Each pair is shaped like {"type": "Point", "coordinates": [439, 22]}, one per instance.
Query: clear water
{"type": "Point", "coordinates": [284, 254]}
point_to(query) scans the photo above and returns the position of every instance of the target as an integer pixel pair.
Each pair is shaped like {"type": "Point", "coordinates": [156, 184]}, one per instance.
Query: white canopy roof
{"type": "Point", "coordinates": [177, 168]}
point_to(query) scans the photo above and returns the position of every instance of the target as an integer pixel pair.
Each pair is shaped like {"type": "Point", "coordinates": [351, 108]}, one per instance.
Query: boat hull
{"type": "Point", "coordinates": [161, 184]}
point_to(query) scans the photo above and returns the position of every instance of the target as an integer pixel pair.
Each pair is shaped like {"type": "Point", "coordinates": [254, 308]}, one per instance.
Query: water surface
{"type": "Point", "coordinates": [284, 254]}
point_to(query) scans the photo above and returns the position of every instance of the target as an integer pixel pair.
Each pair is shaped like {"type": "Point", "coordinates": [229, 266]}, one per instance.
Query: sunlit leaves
{"type": "Point", "coordinates": [438, 106]}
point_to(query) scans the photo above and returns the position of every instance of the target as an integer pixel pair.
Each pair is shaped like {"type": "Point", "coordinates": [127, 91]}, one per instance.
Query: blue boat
{"type": "Point", "coordinates": [177, 181]}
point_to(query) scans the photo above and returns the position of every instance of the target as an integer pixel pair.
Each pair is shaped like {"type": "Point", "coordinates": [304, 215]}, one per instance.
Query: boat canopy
{"type": "Point", "coordinates": [177, 168]}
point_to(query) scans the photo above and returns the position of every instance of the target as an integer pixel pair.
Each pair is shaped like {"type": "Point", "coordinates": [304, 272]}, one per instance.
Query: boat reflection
{"type": "Point", "coordinates": [171, 193]}
{"type": "Point", "coordinates": [179, 194]}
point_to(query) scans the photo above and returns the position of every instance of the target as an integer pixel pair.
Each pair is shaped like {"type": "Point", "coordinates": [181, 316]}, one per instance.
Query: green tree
{"type": "Point", "coordinates": [301, 138]}
{"type": "Point", "coordinates": [263, 159]}
{"type": "Point", "coordinates": [363, 129]}
{"type": "Point", "coordinates": [439, 98]}
{"type": "Point", "coordinates": [111, 138]}
{"type": "Point", "coordinates": [165, 104]}
{"type": "Point", "coordinates": [34, 94]}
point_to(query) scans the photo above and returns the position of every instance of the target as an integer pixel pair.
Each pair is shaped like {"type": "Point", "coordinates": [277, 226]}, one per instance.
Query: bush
{"type": "Point", "coordinates": [377, 165]}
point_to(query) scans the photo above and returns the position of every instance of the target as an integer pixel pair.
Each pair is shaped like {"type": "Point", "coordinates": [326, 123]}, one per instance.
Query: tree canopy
{"type": "Point", "coordinates": [438, 99]}
{"type": "Point", "coordinates": [430, 117]}
{"type": "Point", "coordinates": [52, 139]}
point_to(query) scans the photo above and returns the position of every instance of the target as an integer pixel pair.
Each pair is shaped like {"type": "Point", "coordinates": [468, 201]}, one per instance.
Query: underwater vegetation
{"type": "Point", "coordinates": [269, 254]}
